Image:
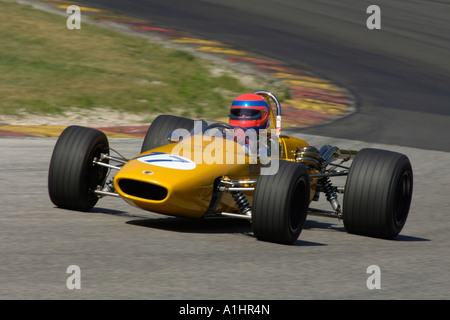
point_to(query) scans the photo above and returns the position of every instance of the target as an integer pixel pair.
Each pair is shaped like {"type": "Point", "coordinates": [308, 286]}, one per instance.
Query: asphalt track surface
{"type": "Point", "coordinates": [126, 253]}
{"type": "Point", "coordinates": [399, 75]}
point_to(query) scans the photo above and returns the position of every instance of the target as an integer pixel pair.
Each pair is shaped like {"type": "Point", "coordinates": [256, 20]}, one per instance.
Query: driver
{"type": "Point", "coordinates": [248, 111]}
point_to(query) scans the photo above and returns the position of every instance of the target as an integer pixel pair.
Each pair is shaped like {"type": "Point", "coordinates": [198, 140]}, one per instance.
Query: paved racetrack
{"type": "Point", "coordinates": [126, 253]}
{"type": "Point", "coordinates": [399, 75]}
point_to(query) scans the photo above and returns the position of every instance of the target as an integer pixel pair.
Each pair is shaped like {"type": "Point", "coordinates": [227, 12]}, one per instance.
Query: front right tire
{"type": "Point", "coordinates": [163, 125]}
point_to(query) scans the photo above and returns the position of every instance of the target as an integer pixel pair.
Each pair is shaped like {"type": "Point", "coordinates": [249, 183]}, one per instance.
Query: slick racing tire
{"type": "Point", "coordinates": [280, 203]}
{"type": "Point", "coordinates": [72, 176]}
{"type": "Point", "coordinates": [378, 194]}
{"type": "Point", "coordinates": [163, 125]}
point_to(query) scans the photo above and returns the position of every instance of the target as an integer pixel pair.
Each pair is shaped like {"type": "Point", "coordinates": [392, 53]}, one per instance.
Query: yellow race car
{"type": "Point", "coordinates": [197, 169]}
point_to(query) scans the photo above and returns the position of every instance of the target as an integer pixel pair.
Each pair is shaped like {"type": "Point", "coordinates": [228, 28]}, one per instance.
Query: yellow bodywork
{"type": "Point", "coordinates": [289, 147]}
{"type": "Point", "coordinates": [189, 191]}
{"type": "Point", "coordinates": [188, 170]}
{"type": "Point", "coordinates": [184, 174]}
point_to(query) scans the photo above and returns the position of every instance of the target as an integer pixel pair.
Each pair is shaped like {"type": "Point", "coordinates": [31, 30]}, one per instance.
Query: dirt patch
{"type": "Point", "coordinates": [97, 117]}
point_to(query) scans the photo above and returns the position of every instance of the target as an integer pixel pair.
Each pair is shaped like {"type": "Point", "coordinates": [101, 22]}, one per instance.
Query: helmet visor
{"type": "Point", "coordinates": [245, 114]}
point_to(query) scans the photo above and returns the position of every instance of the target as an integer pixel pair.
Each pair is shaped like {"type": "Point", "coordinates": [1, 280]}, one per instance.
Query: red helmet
{"type": "Point", "coordinates": [250, 111]}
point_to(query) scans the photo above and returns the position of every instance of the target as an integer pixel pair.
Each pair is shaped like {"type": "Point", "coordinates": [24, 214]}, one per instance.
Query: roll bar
{"type": "Point", "coordinates": [276, 122]}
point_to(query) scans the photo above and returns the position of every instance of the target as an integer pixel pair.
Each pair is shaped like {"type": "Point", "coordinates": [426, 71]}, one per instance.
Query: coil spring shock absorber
{"type": "Point", "coordinates": [241, 201]}
{"type": "Point", "coordinates": [331, 195]}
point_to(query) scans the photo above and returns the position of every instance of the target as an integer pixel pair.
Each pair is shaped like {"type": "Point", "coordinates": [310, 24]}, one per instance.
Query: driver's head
{"type": "Point", "coordinates": [250, 111]}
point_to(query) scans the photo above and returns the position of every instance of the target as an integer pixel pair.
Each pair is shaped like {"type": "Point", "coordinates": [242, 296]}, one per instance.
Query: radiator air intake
{"type": "Point", "coordinates": [143, 190]}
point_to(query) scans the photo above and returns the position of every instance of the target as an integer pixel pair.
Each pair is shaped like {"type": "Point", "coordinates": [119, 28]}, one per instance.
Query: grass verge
{"type": "Point", "coordinates": [46, 68]}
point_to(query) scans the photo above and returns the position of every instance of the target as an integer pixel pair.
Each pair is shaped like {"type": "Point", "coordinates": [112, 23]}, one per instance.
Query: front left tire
{"type": "Point", "coordinates": [72, 176]}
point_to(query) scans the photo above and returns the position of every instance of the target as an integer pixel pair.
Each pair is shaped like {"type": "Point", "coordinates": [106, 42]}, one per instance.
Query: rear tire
{"type": "Point", "coordinates": [378, 194]}
{"type": "Point", "coordinates": [280, 203]}
{"type": "Point", "coordinates": [158, 133]}
{"type": "Point", "coordinates": [72, 176]}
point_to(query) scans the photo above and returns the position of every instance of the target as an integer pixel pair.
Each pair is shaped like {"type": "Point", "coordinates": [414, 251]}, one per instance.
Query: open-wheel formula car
{"type": "Point", "coordinates": [272, 187]}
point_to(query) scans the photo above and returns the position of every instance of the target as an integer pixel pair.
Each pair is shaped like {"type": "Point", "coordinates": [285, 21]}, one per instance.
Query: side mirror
{"type": "Point", "coordinates": [177, 135]}
{"type": "Point", "coordinates": [174, 138]}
